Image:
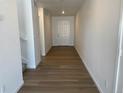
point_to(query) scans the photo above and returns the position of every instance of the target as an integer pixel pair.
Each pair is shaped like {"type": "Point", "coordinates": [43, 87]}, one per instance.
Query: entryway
{"type": "Point", "coordinates": [63, 31]}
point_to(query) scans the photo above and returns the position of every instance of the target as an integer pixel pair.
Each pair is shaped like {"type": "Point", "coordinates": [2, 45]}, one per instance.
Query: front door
{"type": "Point", "coordinates": [63, 31]}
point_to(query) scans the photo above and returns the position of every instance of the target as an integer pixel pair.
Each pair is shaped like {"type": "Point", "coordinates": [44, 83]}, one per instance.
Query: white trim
{"type": "Point", "coordinates": [92, 76]}
{"type": "Point", "coordinates": [118, 67]}
{"type": "Point", "coordinates": [48, 51]}
{"type": "Point", "coordinates": [24, 60]}
{"type": "Point", "coordinates": [31, 67]}
{"type": "Point", "coordinates": [17, 90]}
{"type": "Point", "coordinates": [120, 40]}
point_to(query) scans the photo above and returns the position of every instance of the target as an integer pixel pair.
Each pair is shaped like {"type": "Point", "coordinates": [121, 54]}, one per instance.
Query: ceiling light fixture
{"type": "Point", "coordinates": [62, 4]}
{"type": "Point", "coordinates": [63, 12]}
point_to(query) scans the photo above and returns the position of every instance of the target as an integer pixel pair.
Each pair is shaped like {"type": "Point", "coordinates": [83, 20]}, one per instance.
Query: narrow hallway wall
{"type": "Point", "coordinates": [10, 53]}
{"type": "Point", "coordinates": [45, 30]}
{"type": "Point", "coordinates": [36, 32]}
{"type": "Point", "coordinates": [29, 32]}
{"type": "Point", "coordinates": [96, 39]}
{"type": "Point", "coordinates": [41, 31]}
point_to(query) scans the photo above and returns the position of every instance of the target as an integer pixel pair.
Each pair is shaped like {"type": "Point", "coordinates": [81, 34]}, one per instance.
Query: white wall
{"type": "Point", "coordinates": [36, 33]}
{"type": "Point", "coordinates": [45, 31]}
{"type": "Point", "coordinates": [29, 32]}
{"type": "Point", "coordinates": [10, 56]}
{"type": "Point", "coordinates": [97, 27]}
{"type": "Point", "coordinates": [22, 29]}
{"type": "Point", "coordinates": [41, 25]}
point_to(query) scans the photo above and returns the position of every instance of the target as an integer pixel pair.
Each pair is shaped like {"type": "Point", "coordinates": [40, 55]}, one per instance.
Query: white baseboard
{"type": "Point", "coordinates": [17, 90]}
{"type": "Point", "coordinates": [93, 78]}
{"type": "Point", "coordinates": [25, 60]}
{"type": "Point", "coordinates": [45, 53]}
{"type": "Point", "coordinates": [31, 66]}
{"type": "Point", "coordinates": [92, 75]}
{"type": "Point", "coordinates": [48, 50]}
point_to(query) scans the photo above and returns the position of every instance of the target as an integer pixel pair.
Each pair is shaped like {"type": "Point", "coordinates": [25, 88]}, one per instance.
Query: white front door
{"type": "Point", "coordinates": [63, 31]}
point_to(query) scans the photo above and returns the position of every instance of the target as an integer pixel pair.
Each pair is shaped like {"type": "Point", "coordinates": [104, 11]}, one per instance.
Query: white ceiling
{"type": "Point", "coordinates": [55, 7]}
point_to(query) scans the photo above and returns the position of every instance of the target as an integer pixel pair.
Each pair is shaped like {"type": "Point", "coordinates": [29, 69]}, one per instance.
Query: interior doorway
{"type": "Point", "coordinates": [63, 31]}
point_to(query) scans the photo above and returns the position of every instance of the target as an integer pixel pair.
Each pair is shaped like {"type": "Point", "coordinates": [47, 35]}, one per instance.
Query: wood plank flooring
{"type": "Point", "coordinates": [60, 72]}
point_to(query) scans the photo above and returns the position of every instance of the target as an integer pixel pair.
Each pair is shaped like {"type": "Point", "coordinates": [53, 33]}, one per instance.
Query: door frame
{"type": "Point", "coordinates": [119, 60]}
{"type": "Point", "coordinates": [71, 18]}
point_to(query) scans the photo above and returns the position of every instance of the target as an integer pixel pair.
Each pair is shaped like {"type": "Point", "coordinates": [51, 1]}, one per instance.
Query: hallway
{"type": "Point", "coordinates": [30, 28]}
{"type": "Point", "coordinates": [60, 72]}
